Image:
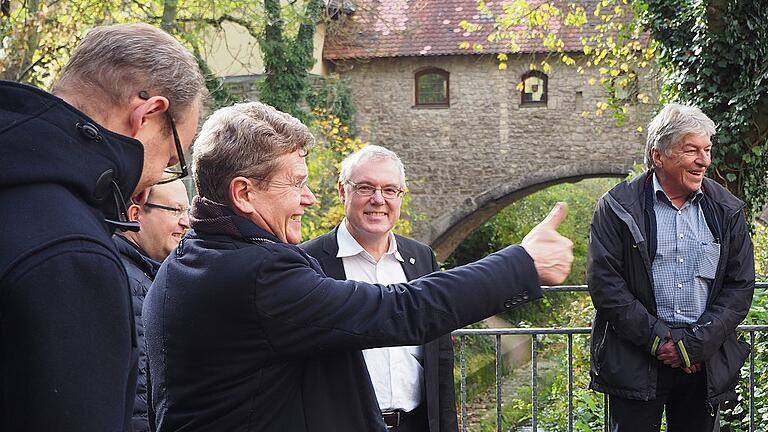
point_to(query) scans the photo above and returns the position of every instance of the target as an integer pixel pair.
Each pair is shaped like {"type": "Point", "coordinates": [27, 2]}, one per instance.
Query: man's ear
{"type": "Point", "coordinates": [342, 192]}
{"type": "Point", "coordinates": [146, 111]}
{"type": "Point", "coordinates": [133, 212]}
{"type": "Point", "coordinates": [656, 157]}
{"type": "Point", "coordinates": [239, 190]}
{"type": "Point", "coordinates": [141, 197]}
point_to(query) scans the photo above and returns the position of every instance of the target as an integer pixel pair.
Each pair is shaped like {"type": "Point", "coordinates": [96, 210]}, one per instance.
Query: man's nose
{"type": "Point", "coordinates": [307, 197]}
{"type": "Point", "coordinates": [184, 220]}
{"type": "Point", "coordinates": [704, 159]}
{"type": "Point", "coordinates": [378, 197]}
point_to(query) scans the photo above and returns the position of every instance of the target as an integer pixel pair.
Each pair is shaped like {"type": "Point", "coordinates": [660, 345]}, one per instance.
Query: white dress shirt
{"type": "Point", "coordinates": [396, 372]}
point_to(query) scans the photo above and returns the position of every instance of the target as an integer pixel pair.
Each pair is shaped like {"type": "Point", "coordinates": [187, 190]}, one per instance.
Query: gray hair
{"type": "Point", "coordinates": [367, 153]}
{"type": "Point", "coordinates": [114, 63]}
{"type": "Point", "coordinates": [671, 124]}
{"type": "Point", "coordinates": [244, 139]}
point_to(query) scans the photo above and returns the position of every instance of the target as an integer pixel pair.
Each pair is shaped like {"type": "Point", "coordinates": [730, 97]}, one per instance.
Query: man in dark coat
{"type": "Point", "coordinates": [163, 219]}
{"type": "Point", "coordinates": [413, 385]}
{"type": "Point", "coordinates": [244, 330]}
{"type": "Point", "coordinates": [68, 163]}
{"type": "Point", "coordinates": [671, 273]}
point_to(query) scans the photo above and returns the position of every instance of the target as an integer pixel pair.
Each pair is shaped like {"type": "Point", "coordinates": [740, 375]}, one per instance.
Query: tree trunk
{"type": "Point", "coordinates": [169, 15]}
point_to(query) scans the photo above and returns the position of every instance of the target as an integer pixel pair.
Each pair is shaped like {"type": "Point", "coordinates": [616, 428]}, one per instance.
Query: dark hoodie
{"type": "Point", "coordinates": [68, 348]}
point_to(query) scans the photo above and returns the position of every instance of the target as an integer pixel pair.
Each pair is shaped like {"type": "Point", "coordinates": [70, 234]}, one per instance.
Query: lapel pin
{"type": "Point", "coordinates": [412, 260]}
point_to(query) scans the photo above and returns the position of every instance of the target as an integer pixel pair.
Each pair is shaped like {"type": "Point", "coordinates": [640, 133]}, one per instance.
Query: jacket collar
{"type": "Point", "coordinates": [55, 143]}
{"type": "Point", "coordinates": [632, 195]}
{"type": "Point", "coordinates": [348, 245]}
{"type": "Point", "coordinates": [134, 253]}
{"type": "Point", "coordinates": [334, 267]}
{"type": "Point", "coordinates": [211, 217]}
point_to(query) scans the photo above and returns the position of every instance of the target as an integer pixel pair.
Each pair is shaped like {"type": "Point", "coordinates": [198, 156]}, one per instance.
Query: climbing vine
{"type": "Point", "coordinates": [287, 59]}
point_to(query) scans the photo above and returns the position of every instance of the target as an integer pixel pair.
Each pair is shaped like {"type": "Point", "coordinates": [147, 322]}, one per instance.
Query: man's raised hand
{"type": "Point", "coordinates": [552, 253]}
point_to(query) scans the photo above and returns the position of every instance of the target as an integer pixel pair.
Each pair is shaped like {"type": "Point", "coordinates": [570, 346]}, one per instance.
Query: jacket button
{"type": "Point", "coordinates": [89, 131]}
{"type": "Point", "coordinates": [508, 304]}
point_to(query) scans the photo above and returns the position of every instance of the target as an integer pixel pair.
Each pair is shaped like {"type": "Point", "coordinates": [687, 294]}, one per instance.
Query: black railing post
{"type": "Point", "coordinates": [498, 383]}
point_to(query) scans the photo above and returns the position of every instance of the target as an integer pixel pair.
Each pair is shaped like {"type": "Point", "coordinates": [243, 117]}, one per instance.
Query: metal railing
{"type": "Point", "coordinates": [568, 332]}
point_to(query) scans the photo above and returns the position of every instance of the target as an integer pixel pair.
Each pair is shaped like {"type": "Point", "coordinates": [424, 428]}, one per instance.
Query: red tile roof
{"type": "Point", "coordinates": [394, 28]}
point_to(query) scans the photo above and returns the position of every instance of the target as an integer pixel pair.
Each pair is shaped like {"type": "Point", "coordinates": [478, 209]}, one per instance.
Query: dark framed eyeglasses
{"type": "Point", "coordinates": [366, 190]}
{"type": "Point", "coordinates": [177, 211]}
{"type": "Point", "coordinates": [180, 170]}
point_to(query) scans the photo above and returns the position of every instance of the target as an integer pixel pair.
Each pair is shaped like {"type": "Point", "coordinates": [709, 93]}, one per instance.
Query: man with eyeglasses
{"type": "Point", "coordinates": [413, 384]}
{"type": "Point", "coordinates": [163, 220]}
{"type": "Point", "coordinates": [124, 109]}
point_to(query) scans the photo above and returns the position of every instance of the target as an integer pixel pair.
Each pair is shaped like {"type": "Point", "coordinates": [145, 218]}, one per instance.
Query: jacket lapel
{"type": "Point", "coordinates": [412, 267]}
{"type": "Point", "coordinates": [333, 266]}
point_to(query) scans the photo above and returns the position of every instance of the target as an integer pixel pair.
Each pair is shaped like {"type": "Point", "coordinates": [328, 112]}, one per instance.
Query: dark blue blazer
{"type": "Point", "coordinates": [418, 260]}
{"type": "Point", "coordinates": [248, 334]}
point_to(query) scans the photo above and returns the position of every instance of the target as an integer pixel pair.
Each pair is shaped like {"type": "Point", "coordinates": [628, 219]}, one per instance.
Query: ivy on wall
{"type": "Point", "coordinates": [287, 59]}
{"type": "Point", "coordinates": [714, 54]}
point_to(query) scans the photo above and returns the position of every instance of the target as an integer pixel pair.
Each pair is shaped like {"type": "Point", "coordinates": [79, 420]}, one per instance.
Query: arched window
{"type": "Point", "coordinates": [432, 87]}
{"type": "Point", "coordinates": [534, 88]}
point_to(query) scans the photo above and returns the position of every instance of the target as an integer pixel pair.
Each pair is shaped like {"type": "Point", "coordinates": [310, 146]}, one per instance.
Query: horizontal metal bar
{"type": "Point", "coordinates": [521, 331]}
{"type": "Point", "coordinates": [560, 330]}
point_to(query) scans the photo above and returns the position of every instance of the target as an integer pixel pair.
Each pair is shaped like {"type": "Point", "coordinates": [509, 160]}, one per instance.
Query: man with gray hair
{"type": "Point", "coordinates": [413, 384]}
{"type": "Point", "coordinates": [671, 274]}
{"type": "Point", "coordinates": [125, 108]}
{"type": "Point", "coordinates": [246, 332]}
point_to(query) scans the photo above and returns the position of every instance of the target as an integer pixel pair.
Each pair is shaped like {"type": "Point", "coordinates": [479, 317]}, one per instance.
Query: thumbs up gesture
{"type": "Point", "coordinates": [552, 253]}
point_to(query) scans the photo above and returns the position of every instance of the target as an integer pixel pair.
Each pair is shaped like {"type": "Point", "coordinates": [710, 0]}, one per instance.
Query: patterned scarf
{"type": "Point", "coordinates": [210, 217]}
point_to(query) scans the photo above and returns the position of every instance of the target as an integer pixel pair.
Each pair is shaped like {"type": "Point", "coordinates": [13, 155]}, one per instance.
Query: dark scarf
{"type": "Point", "coordinates": [207, 216]}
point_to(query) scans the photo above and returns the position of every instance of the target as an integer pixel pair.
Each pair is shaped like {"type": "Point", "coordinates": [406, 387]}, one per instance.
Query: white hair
{"type": "Point", "coordinates": [369, 152]}
{"type": "Point", "coordinates": [671, 124]}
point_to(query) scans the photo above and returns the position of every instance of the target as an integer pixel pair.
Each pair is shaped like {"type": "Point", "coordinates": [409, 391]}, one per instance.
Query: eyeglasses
{"type": "Point", "coordinates": [366, 190]}
{"type": "Point", "coordinates": [179, 170]}
{"type": "Point", "coordinates": [177, 212]}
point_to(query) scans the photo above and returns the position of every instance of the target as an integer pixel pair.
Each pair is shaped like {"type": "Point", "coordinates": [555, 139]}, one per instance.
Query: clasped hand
{"type": "Point", "coordinates": [668, 354]}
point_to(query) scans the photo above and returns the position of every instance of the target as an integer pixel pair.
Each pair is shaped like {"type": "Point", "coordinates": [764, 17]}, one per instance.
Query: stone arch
{"type": "Point", "coordinates": [447, 232]}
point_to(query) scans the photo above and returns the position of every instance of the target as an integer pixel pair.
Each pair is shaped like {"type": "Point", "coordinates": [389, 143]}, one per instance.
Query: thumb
{"type": "Point", "coordinates": [555, 216]}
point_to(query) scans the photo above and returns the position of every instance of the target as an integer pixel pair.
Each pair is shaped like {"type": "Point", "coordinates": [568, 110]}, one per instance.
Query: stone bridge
{"type": "Point", "coordinates": [466, 161]}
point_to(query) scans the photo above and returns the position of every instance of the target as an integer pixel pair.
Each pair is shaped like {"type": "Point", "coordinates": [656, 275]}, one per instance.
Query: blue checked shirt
{"type": "Point", "coordinates": [686, 259]}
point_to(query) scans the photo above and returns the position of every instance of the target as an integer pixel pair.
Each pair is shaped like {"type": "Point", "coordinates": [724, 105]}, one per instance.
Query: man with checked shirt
{"type": "Point", "coordinates": [671, 274]}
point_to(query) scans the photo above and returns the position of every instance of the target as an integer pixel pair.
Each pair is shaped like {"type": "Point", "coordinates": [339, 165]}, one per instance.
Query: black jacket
{"type": "Point", "coordinates": [141, 271]}
{"type": "Point", "coordinates": [419, 260]}
{"type": "Point", "coordinates": [67, 343]}
{"type": "Point", "coordinates": [247, 334]}
{"type": "Point", "coordinates": [626, 331]}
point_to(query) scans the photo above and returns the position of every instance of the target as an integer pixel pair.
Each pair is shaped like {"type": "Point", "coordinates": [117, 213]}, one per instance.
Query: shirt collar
{"type": "Point", "coordinates": [694, 198]}
{"type": "Point", "coordinates": [348, 246]}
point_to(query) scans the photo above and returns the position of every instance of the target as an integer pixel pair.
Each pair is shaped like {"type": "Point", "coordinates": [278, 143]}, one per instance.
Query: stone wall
{"type": "Point", "coordinates": [466, 162]}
